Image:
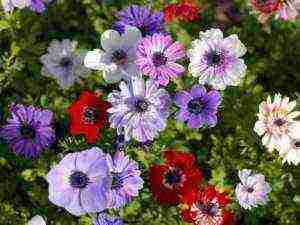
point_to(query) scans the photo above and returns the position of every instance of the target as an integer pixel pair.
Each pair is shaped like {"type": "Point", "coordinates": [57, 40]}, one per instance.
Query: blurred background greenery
{"type": "Point", "coordinates": [273, 60]}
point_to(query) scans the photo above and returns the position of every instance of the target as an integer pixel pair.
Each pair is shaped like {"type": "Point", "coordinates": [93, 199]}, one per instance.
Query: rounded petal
{"type": "Point", "coordinates": [211, 34]}
{"type": "Point", "coordinates": [36, 220]}
{"type": "Point", "coordinates": [182, 98]}
{"type": "Point", "coordinates": [235, 46]}
{"type": "Point", "coordinates": [93, 59]}
{"type": "Point", "coordinates": [110, 40]}
{"type": "Point", "coordinates": [131, 36]}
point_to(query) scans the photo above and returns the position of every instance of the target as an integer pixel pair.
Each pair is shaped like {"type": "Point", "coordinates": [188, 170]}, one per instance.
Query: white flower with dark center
{"type": "Point", "coordinates": [63, 63]}
{"type": "Point", "coordinates": [217, 60]}
{"type": "Point", "coordinates": [274, 120]}
{"type": "Point", "coordinates": [117, 59]}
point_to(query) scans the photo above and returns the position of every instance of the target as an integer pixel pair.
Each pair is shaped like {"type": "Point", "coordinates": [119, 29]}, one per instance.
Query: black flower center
{"type": "Point", "coordinates": [141, 105]}
{"type": "Point", "coordinates": [208, 209]}
{"type": "Point", "coordinates": [66, 62]}
{"type": "Point", "coordinates": [117, 182]}
{"type": "Point", "coordinates": [144, 30]}
{"type": "Point", "coordinates": [250, 189]}
{"type": "Point", "coordinates": [27, 131]}
{"type": "Point", "coordinates": [90, 114]}
{"type": "Point", "coordinates": [173, 177]}
{"type": "Point", "coordinates": [297, 144]}
{"type": "Point", "coordinates": [279, 122]}
{"type": "Point", "coordinates": [195, 106]}
{"type": "Point", "coordinates": [214, 58]}
{"type": "Point", "coordinates": [119, 57]}
{"type": "Point", "coordinates": [78, 179]}
{"type": "Point", "coordinates": [159, 59]}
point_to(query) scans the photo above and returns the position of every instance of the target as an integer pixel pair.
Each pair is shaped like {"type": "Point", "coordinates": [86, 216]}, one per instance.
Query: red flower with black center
{"type": "Point", "coordinates": [88, 115]}
{"type": "Point", "coordinates": [178, 174]}
{"type": "Point", "coordinates": [206, 206]}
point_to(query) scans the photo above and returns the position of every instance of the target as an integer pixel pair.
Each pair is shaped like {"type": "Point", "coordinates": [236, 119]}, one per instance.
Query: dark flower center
{"type": "Point", "coordinates": [119, 57]}
{"type": "Point", "coordinates": [214, 58]}
{"type": "Point", "coordinates": [117, 182]}
{"type": "Point", "coordinates": [78, 179]}
{"type": "Point", "coordinates": [159, 59]}
{"type": "Point", "coordinates": [195, 106]}
{"type": "Point", "coordinates": [66, 62]}
{"type": "Point", "coordinates": [90, 114]}
{"type": "Point", "coordinates": [297, 144]}
{"type": "Point", "coordinates": [279, 122]}
{"type": "Point", "coordinates": [250, 189]}
{"type": "Point", "coordinates": [141, 105]}
{"type": "Point", "coordinates": [27, 131]}
{"type": "Point", "coordinates": [144, 30]}
{"type": "Point", "coordinates": [208, 209]}
{"type": "Point", "coordinates": [173, 177]}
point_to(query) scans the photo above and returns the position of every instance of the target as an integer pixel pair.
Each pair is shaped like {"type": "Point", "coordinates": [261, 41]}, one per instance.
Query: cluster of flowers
{"type": "Point", "coordinates": [278, 127]}
{"type": "Point", "coordinates": [92, 181]}
{"type": "Point", "coordinates": [35, 5]}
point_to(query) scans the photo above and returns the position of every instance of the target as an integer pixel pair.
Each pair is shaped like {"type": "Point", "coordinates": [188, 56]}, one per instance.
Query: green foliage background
{"type": "Point", "coordinates": [273, 60]}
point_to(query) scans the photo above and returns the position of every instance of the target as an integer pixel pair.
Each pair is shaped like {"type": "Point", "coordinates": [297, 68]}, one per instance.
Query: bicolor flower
{"type": "Point", "coordinates": [126, 179]}
{"type": "Point", "coordinates": [157, 56]}
{"type": "Point", "coordinates": [216, 60]}
{"type": "Point", "coordinates": [253, 189]}
{"type": "Point", "coordinates": [139, 110]}
{"type": "Point", "coordinates": [275, 117]}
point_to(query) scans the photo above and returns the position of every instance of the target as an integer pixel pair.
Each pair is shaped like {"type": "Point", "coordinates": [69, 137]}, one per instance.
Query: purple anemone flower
{"type": "Point", "coordinates": [157, 55]}
{"type": "Point", "coordinates": [105, 219]}
{"type": "Point", "coordinates": [139, 110]}
{"type": "Point", "coordinates": [28, 131]}
{"type": "Point", "coordinates": [253, 189]}
{"type": "Point", "coordinates": [80, 182]}
{"type": "Point", "coordinates": [198, 107]}
{"type": "Point", "coordinates": [141, 17]}
{"type": "Point", "coordinates": [126, 180]}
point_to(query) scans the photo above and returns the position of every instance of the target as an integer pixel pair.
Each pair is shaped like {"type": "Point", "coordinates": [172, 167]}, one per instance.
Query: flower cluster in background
{"type": "Point", "coordinates": [144, 113]}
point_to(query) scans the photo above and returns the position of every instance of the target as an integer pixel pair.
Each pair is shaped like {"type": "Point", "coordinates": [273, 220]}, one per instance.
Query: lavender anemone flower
{"type": "Point", "coordinates": [252, 190]}
{"type": "Point", "coordinates": [141, 17]}
{"type": "Point", "coordinates": [157, 56]}
{"type": "Point", "coordinates": [28, 131]}
{"type": "Point", "coordinates": [105, 219]}
{"type": "Point", "coordinates": [139, 110]}
{"type": "Point", "coordinates": [63, 63]}
{"type": "Point", "coordinates": [126, 181]}
{"type": "Point", "coordinates": [198, 107]}
{"type": "Point", "coordinates": [217, 60]}
{"type": "Point", "coordinates": [80, 182]}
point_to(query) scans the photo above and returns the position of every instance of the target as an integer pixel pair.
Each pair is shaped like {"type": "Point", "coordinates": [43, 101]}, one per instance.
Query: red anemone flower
{"type": "Point", "coordinates": [187, 11]}
{"type": "Point", "coordinates": [267, 6]}
{"type": "Point", "coordinates": [206, 206]}
{"type": "Point", "coordinates": [178, 174]}
{"type": "Point", "coordinates": [88, 115]}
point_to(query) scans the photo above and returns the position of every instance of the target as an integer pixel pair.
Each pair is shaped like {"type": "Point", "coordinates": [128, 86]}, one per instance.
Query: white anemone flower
{"type": "Point", "coordinates": [117, 59]}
